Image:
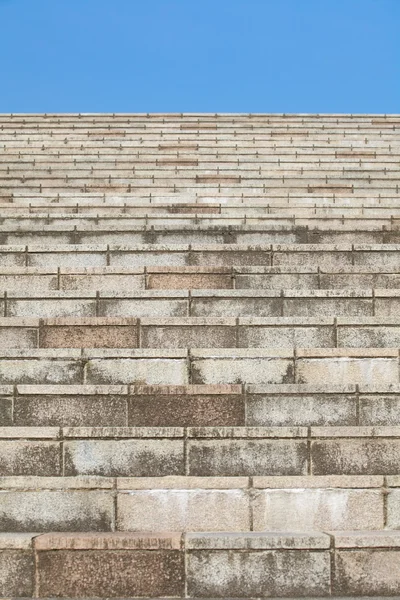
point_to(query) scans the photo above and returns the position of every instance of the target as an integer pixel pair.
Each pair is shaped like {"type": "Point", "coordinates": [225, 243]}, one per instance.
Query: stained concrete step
{"type": "Point", "coordinates": [41, 280]}
{"type": "Point", "coordinates": [324, 256]}
{"type": "Point", "coordinates": [187, 503]}
{"type": "Point", "coordinates": [131, 210]}
{"type": "Point", "coordinates": [199, 451]}
{"type": "Point", "coordinates": [264, 564]}
{"type": "Point", "coordinates": [371, 366]}
{"type": "Point", "coordinates": [286, 230]}
{"type": "Point", "coordinates": [184, 202]}
{"type": "Point", "coordinates": [290, 405]}
{"type": "Point", "coordinates": [200, 332]}
{"type": "Point", "coordinates": [198, 303]}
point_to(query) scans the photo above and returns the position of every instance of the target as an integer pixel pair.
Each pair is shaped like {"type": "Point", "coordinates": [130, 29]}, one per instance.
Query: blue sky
{"type": "Point", "coordinates": [200, 56]}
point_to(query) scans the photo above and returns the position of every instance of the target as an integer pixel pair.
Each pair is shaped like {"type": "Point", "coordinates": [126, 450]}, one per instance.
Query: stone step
{"type": "Point", "coordinates": [290, 405]}
{"type": "Point", "coordinates": [254, 564]}
{"type": "Point", "coordinates": [199, 366]}
{"type": "Point", "coordinates": [377, 231]}
{"type": "Point", "coordinates": [159, 303]}
{"type": "Point", "coordinates": [47, 202]}
{"type": "Point", "coordinates": [200, 332]}
{"type": "Point", "coordinates": [324, 256]}
{"type": "Point", "coordinates": [41, 282]}
{"type": "Point", "coordinates": [85, 213]}
{"type": "Point", "coordinates": [188, 503]}
{"type": "Point", "coordinates": [199, 451]}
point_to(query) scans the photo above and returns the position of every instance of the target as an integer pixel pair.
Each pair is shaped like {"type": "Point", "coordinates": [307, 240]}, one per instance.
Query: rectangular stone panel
{"type": "Point", "coordinates": [29, 457]}
{"type": "Point", "coordinates": [280, 410]}
{"type": "Point", "coordinates": [43, 410]}
{"type": "Point", "coordinates": [369, 571]}
{"type": "Point", "coordinates": [370, 456]}
{"type": "Point", "coordinates": [185, 281]}
{"type": "Point", "coordinates": [110, 573]}
{"type": "Point", "coordinates": [247, 457]}
{"type": "Point", "coordinates": [183, 510]}
{"type": "Point", "coordinates": [183, 410]}
{"type": "Point", "coordinates": [265, 573]}
{"type": "Point", "coordinates": [158, 371]}
{"type": "Point", "coordinates": [56, 510]}
{"type": "Point", "coordinates": [188, 334]}
{"type": "Point", "coordinates": [382, 409]}
{"type": "Point", "coordinates": [124, 458]}
{"type": "Point", "coordinates": [257, 335]}
{"type": "Point", "coordinates": [318, 509]}
{"type": "Point", "coordinates": [94, 335]}
{"type": "Point", "coordinates": [16, 573]}
{"type": "Point", "coordinates": [242, 366]}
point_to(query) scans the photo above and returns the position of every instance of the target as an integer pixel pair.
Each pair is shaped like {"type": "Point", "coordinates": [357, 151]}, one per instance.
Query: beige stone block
{"type": "Point", "coordinates": [162, 371]}
{"type": "Point", "coordinates": [368, 571]}
{"type": "Point", "coordinates": [242, 366]}
{"type": "Point", "coordinates": [112, 458]}
{"type": "Point", "coordinates": [262, 573]}
{"type": "Point", "coordinates": [56, 510]}
{"type": "Point", "coordinates": [344, 370]}
{"type": "Point", "coordinates": [29, 458]}
{"type": "Point", "coordinates": [247, 457]}
{"type": "Point", "coordinates": [183, 510]}
{"type": "Point", "coordinates": [317, 509]}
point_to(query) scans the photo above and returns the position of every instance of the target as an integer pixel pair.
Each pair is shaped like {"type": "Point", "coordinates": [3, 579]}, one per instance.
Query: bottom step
{"type": "Point", "coordinates": [200, 565]}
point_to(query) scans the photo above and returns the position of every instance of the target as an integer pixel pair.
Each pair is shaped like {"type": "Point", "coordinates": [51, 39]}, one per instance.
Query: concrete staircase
{"type": "Point", "coordinates": [199, 370]}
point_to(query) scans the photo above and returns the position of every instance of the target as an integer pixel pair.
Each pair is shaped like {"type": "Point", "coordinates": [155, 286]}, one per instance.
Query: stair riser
{"type": "Point", "coordinates": [200, 510]}
{"type": "Point", "coordinates": [306, 570]}
{"type": "Point", "coordinates": [242, 455]}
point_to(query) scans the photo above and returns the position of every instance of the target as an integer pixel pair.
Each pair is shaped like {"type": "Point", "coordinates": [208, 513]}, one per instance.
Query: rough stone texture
{"type": "Point", "coordinates": [300, 409]}
{"type": "Point", "coordinates": [16, 573]}
{"type": "Point", "coordinates": [29, 458]}
{"type": "Point", "coordinates": [184, 510]}
{"type": "Point", "coordinates": [110, 573]}
{"type": "Point", "coordinates": [244, 457]}
{"type": "Point", "coordinates": [185, 410]}
{"type": "Point", "coordinates": [55, 510]}
{"type": "Point", "coordinates": [372, 456]}
{"type": "Point", "coordinates": [222, 574]}
{"type": "Point", "coordinates": [95, 336]}
{"type": "Point", "coordinates": [70, 410]}
{"type": "Point", "coordinates": [199, 330]}
{"type": "Point", "coordinates": [124, 457]}
{"type": "Point", "coordinates": [367, 572]}
{"type": "Point", "coordinates": [318, 509]}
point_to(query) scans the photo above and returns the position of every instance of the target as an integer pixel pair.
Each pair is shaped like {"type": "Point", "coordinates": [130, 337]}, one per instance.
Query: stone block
{"type": "Point", "coordinates": [382, 409]}
{"type": "Point", "coordinates": [186, 406]}
{"type": "Point", "coordinates": [56, 510]}
{"type": "Point", "coordinates": [70, 409]}
{"type": "Point", "coordinates": [352, 456]}
{"type": "Point", "coordinates": [242, 366]}
{"type": "Point", "coordinates": [243, 567]}
{"type": "Point", "coordinates": [318, 509]}
{"type": "Point", "coordinates": [16, 570]}
{"type": "Point", "coordinates": [366, 366]}
{"type": "Point", "coordinates": [297, 405]}
{"type": "Point", "coordinates": [183, 510]}
{"type": "Point", "coordinates": [29, 457]}
{"type": "Point", "coordinates": [131, 457]}
{"type": "Point", "coordinates": [188, 333]}
{"type": "Point", "coordinates": [236, 303]}
{"type": "Point", "coordinates": [190, 278]}
{"type": "Point", "coordinates": [274, 333]}
{"type": "Point", "coordinates": [89, 333]}
{"type": "Point", "coordinates": [241, 457]}
{"type": "Point", "coordinates": [118, 566]}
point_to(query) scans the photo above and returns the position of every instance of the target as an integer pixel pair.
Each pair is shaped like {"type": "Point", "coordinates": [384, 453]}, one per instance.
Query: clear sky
{"type": "Point", "coordinates": [200, 56]}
